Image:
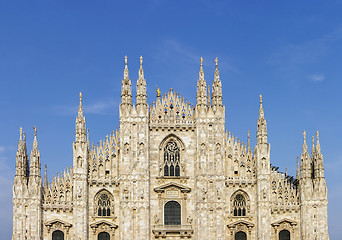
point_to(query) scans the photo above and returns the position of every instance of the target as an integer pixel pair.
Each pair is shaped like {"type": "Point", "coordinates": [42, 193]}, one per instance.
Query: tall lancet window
{"type": "Point", "coordinates": [171, 159]}
{"type": "Point", "coordinates": [239, 205]}
{"type": "Point", "coordinates": [103, 205]}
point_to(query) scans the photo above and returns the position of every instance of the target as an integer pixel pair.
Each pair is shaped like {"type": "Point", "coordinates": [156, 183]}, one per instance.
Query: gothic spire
{"type": "Point", "coordinates": [261, 109]}
{"type": "Point", "coordinates": [35, 157]}
{"type": "Point", "coordinates": [35, 142]}
{"type": "Point", "coordinates": [141, 86]}
{"type": "Point", "coordinates": [201, 72]}
{"type": "Point", "coordinates": [318, 145]}
{"type": "Point", "coordinates": [305, 160]}
{"type": "Point", "coordinates": [319, 157]}
{"type": "Point", "coordinates": [201, 87]}
{"type": "Point", "coordinates": [262, 126]}
{"type": "Point", "coordinates": [80, 131]}
{"type": "Point", "coordinates": [126, 92]}
{"type": "Point", "coordinates": [80, 107]}
{"type": "Point", "coordinates": [217, 73]}
{"type": "Point", "coordinates": [22, 165]}
{"type": "Point", "coordinates": [217, 87]}
{"type": "Point", "coordinates": [305, 146]}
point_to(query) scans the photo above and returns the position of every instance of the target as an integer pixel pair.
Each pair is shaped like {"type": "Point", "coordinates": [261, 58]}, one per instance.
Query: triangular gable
{"type": "Point", "coordinates": [103, 222]}
{"type": "Point", "coordinates": [248, 224]}
{"type": "Point", "coordinates": [52, 222]}
{"type": "Point", "coordinates": [162, 188]}
{"type": "Point", "coordinates": [291, 222]}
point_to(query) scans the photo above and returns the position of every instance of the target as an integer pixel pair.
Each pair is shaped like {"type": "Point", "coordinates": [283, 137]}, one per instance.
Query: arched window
{"type": "Point", "coordinates": [171, 159]}
{"type": "Point", "coordinates": [284, 235]}
{"type": "Point", "coordinates": [239, 205]}
{"type": "Point", "coordinates": [172, 213]}
{"type": "Point", "coordinates": [240, 236]}
{"type": "Point", "coordinates": [57, 235]}
{"type": "Point", "coordinates": [103, 205]}
{"type": "Point", "coordinates": [103, 236]}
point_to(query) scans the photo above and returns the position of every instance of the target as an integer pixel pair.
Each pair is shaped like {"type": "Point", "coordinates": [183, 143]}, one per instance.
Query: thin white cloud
{"type": "Point", "coordinates": [292, 58]}
{"type": "Point", "coordinates": [173, 50]}
{"type": "Point", "coordinates": [102, 107]}
{"type": "Point", "coordinates": [317, 77]}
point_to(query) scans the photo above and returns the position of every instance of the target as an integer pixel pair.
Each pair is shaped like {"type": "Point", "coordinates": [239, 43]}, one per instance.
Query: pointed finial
{"type": "Point", "coordinates": [141, 71]}
{"type": "Point", "coordinates": [21, 134]}
{"type": "Point", "coordinates": [217, 74]}
{"type": "Point", "coordinates": [80, 108]}
{"type": "Point", "coordinates": [126, 73]}
{"type": "Point", "coordinates": [261, 110]}
{"type": "Point", "coordinates": [318, 146]}
{"type": "Point", "coordinates": [35, 143]}
{"type": "Point", "coordinates": [317, 135]}
{"type": "Point", "coordinates": [305, 147]}
{"type": "Point", "coordinates": [24, 136]}
{"type": "Point", "coordinates": [201, 72]}
{"type": "Point", "coordinates": [35, 131]}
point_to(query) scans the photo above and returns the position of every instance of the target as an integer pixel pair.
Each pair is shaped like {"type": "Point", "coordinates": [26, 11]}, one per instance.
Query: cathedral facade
{"type": "Point", "coordinates": [171, 171]}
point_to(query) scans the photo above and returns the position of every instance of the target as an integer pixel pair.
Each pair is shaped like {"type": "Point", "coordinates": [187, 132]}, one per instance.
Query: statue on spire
{"type": "Point", "coordinates": [126, 72]}
{"type": "Point", "coordinates": [35, 131]}
{"type": "Point", "coordinates": [201, 72]}
{"type": "Point", "coordinates": [158, 91]}
{"type": "Point", "coordinates": [141, 70]}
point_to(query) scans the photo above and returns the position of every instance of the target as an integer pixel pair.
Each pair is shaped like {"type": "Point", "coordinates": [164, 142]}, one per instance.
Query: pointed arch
{"type": "Point", "coordinates": [171, 151]}
{"type": "Point", "coordinates": [173, 137]}
{"type": "Point", "coordinates": [103, 203]}
{"type": "Point", "coordinates": [240, 203]}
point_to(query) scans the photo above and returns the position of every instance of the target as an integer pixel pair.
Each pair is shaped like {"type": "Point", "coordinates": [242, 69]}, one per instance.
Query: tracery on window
{"type": "Point", "coordinates": [171, 159]}
{"type": "Point", "coordinates": [103, 205]}
{"type": "Point", "coordinates": [239, 205]}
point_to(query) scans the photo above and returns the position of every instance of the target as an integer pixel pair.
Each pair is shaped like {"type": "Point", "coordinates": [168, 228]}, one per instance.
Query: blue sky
{"type": "Point", "coordinates": [288, 51]}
